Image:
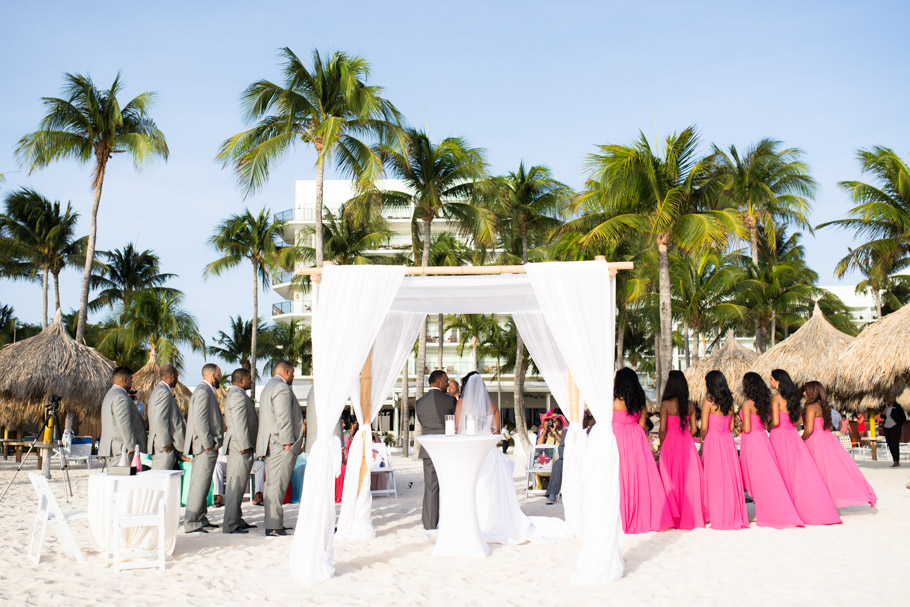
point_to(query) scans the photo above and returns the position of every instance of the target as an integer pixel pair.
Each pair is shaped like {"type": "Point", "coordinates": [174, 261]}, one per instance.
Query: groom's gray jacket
{"type": "Point", "coordinates": [432, 409]}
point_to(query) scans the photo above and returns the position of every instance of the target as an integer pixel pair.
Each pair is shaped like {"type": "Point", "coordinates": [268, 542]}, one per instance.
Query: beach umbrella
{"type": "Point", "coordinates": [731, 359]}
{"type": "Point", "coordinates": [810, 354]}
{"type": "Point", "coordinates": [51, 363]}
{"type": "Point", "coordinates": [146, 378]}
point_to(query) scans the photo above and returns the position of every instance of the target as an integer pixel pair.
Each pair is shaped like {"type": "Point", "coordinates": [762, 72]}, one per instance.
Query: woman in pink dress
{"type": "Point", "coordinates": [846, 484]}
{"type": "Point", "coordinates": [679, 465]}
{"type": "Point", "coordinates": [800, 474]}
{"type": "Point", "coordinates": [642, 499]}
{"type": "Point", "coordinates": [725, 503]}
{"type": "Point", "coordinates": [761, 473]}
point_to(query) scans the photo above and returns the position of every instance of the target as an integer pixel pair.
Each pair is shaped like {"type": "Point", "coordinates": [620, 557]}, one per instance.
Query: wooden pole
{"type": "Point", "coordinates": [366, 385]}
{"type": "Point", "coordinates": [614, 266]}
{"type": "Point", "coordinates": [574, 413]}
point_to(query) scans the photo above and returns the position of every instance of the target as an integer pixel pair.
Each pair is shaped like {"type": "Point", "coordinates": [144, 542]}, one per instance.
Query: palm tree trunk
{"type": "Point", "coordinates": [441, 329]}
{"type": "Point", "coordinates": [89, 255]}
{"type": "Point", "coordinates": [878, 302]}
{"type": "Point", "coordinates": [474, 353]}
{"type": "Point", "coordinates": [56, 291]}
{"type": "Point", "coordinates": [658, 384]}
{"type": "Point", "coordinates": [422, 337]}
{"type": "Point", "coordinates": [405, 417]}
{"type": "Point", "coordinates": [753, 240]}
{"type": "Point", "coordinates": [524, 246]}
{"type": "Point", "coordinates": [773, 329]}
{"type": "Point", "coordinates": [317, 216]}
{"type": "Point", "coordinates": [518, 387]}
{"type": "Point", "coordinates": [696, 335]}
{"type": "Point", "coordinates": [499, 385]}
{"type": "Point", "coordinates": [620, 335]}
{"type": "Point", "coordinates": [44, 298]}
{"type": "Point", "coordinates": [688, 352]}
{"type": "Point", "coordinates": [254, 332]}
{"type": "Point", "coordinates": [666, 310]}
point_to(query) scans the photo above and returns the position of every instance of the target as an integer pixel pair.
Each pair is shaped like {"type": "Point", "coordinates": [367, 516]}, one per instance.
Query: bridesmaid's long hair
{"type": "Point", "coordinates": [719, 392]}
{"type": "Point", "coordinates": [677, 387]}
{"type": "Point", "coordinates": [627, 387]}
{"type": "Point", "coordinates": [787, 390]}
{"type": "Point", "coordinates": [756, 390]}
{"type": "Point", "coordinates": [815, 393]}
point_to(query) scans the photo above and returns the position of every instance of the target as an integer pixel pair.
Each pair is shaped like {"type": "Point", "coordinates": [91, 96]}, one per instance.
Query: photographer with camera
{"type": "Point", "coordinates": [121, 425]}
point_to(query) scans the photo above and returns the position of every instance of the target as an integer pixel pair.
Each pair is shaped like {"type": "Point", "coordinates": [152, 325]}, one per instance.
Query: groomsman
{"type": "Point", "coordinates": [204, 430]}
{"type": "Point", "coordinates": [167, 429]}
{"type": "Point", "coordinates": [242, 428]}
{"type": "Point", "coordinates": [431, 410]}
{"type": "Point", "coordinates": [121, 425]}
{"type": "Point", "coordinates": [279, 442]}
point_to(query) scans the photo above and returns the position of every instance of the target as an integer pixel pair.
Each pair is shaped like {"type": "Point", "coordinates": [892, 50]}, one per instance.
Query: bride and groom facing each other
{"type": "Point", "coordinates": [500, 517]}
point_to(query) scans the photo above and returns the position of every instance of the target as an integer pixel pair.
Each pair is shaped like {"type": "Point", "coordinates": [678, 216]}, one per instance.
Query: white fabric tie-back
{"type": "Point", "coordinates": [578, 303]}
{"type": "Point", "coordinates": [392, 347]}
{"type": "Point", "coordinates": [350, 307]}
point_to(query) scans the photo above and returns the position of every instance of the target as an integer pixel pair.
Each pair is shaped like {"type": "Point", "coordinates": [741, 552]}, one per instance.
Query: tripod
{"type": "Point", "coordinates": [50, 417]}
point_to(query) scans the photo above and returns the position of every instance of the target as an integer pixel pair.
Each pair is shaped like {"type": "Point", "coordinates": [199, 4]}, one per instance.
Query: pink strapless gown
{"type": "Point", "coordinates": [642, 499]}
{"type": "Point", "coordinates": [725, 504]}
{"type": "Point", "coordinates": [682, 475]}
{"type": "Point", "coordinates": [763, 481]}
{"type": "Point", "coordinates": [846, 484]}
{"type": "Point", "coordinates": [801, 476]}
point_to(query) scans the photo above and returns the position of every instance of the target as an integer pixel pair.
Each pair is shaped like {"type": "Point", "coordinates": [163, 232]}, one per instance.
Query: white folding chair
{"type": "Point", "coordinates": [49, 511]}
{"type": "Point", "coordinates": [121, 519]}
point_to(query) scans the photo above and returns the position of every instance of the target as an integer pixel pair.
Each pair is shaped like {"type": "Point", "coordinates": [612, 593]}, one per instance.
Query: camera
{"type": "Point", "coordinates": [53, 403]}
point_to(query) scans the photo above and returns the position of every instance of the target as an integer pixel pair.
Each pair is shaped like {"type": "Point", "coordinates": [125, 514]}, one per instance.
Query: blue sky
{"type": "Point", "coordinates": [539, 81]}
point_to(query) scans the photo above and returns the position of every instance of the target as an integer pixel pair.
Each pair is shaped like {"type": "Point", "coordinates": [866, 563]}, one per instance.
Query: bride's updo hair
{"type": "Point", "coordinates": [464, 380]}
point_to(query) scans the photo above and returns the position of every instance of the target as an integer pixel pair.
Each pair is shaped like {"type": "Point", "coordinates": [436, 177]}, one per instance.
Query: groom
{"type": "Point", "coordinates": [432, 409]}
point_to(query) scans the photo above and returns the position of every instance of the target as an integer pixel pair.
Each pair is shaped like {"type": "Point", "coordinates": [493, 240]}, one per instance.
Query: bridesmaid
{"type": "Point", "coordinates": [680, 467]}
{"type": "Point", "coordinates": [761, 473]}
{"type": "Point", "coordinates": [642, 499]}
{"type": "Point", "coordinates": [846, 484]}
{"type": "Point", "coordinates": [725, 504]}
{"type": "Point", "coordinates": [800, 474]}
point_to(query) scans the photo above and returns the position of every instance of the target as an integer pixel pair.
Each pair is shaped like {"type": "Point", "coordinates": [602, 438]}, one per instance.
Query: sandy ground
{"type": "Point", "coordinates": [862, 562]}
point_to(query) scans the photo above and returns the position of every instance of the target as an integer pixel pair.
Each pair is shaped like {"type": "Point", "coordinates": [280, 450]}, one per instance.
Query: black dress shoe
{"type": "Point", "coordinates": [238, 531]}
{"type": "Point", "coordinates": [274, 532]}
{"type": "Point", "coordinates": [210, 526]}
{"type": "Point", "coordinates": [288, 528]}
{"type": "Point", "coordinates": [246, 525]}
{"type": "Point", "coordinates": [200, 530]}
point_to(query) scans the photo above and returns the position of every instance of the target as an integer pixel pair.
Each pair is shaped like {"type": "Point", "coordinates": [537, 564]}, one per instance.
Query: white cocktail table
{"type": "Point", "coordinates": [457, 460]}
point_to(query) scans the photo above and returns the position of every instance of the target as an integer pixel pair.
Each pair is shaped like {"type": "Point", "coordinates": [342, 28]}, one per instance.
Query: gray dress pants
{"type": "Point", "coordinates": [200, 482]}
{"type": "Point", "coordinates": [238, 479]}
{"type": "Point", "coordinates": [279, 466]}
{"type": "Point", "coordinates": [164, 460]}
{"type": "Point", "coordinates": [430, 512]}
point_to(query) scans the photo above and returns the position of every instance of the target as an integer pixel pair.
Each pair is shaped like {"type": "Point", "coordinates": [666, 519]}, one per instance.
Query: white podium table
{"type": "Point", "coordinates": [457, 460]}
{"type": "Point", "coordinates": [145, 491]}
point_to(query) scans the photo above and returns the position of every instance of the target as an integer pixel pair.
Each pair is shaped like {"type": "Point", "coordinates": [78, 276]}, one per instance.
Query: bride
{"type": "Point", "coordinates": [501, 519]}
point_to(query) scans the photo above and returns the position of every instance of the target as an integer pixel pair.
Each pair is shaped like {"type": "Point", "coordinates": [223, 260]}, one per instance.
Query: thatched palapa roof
{"type": "Point", "coordinates": [877, 358]}
{"type": "Point", "coordinates": [51, 363]}
{"type": "Point", "coordinates": [810, 354]}
{"type": "Point", "coordinates": [731, 359]}
{"type": "Point", "coordinates": [146, 378]}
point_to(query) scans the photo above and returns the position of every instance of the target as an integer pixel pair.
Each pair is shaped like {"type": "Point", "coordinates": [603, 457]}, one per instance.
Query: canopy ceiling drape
{"type": "Point", "coordinates": [575, 302]}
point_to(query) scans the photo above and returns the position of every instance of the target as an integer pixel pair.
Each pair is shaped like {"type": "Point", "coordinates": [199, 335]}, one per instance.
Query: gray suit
{"type": "Point", "coordinates": [166, 427]}
{"type": "Point", "coordinates": [204, 430]}
{"type": "Point", "coordinates": [280, 424]}
{"type": "Point", "coordinates": [242, 427]}
{"type": "Point", "coordinates": [432, 409]}
{"type": "Point", "coordinates": [121, 424]}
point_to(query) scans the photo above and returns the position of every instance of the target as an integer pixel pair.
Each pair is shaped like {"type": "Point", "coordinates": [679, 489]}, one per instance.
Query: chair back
{"type": "Point", "coordinates": [80, 446]}
{"type": "Point", "coordinates": [845, 441]}
{"type": "Point", "coordinates": [46, 499]}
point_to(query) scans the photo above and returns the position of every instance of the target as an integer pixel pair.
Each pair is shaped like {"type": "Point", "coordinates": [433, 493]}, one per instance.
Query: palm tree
{"type": "Point", "coordinates": [125, 272]}
{"type": "Point", "coordinates": [446, 250]}
{"type": "Point", "coordinates": [236, 347]}
{"type": "Point", "coordinates": [291, 342]}
{"type": "Point", "coordinates": [42, 235]}
{"type": "Point", "coordinates": [882, 214]}
{"type": "Point", "coordinates": [328, 105]}
{"type": "Point", "coordinates": [157, 321]}
{"type": "Point", "coordinates": [473, 329]}
{"type": "Point", "coordinates": [664, 197]}
{"type": "Point", "coordinates": [254, 238]}
{"type": "Point", "coordinates": [91, 124]}
{"type": "Point", "coordinates": [346, 241]}
{"type": "Point", "coordinates": [439, 182]}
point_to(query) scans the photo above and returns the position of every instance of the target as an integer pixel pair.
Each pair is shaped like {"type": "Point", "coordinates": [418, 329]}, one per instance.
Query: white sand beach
{"type": "Point", "coordinates": [858, 563]}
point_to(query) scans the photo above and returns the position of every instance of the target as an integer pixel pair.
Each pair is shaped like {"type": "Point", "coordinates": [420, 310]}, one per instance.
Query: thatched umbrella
{"type": "Point", "coordinates": [810, 354]}
{"type": "Point", "coordinates": [146, 378]}
{"type": "Point", "coordinates": [731, 359]}
{"type": "Point", "coordinates": [878, 358]}
{"type": "Point", "coordinates": [51, 363]}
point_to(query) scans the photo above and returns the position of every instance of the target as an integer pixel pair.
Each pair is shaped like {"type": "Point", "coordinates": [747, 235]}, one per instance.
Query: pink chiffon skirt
{"type": "Point", "coordinates": [643, 501]}
{"type": "Point", "coordinates": [763, 480]}
{"type": "Point", "coordinates": [801, 476]}
{"type": "Point", "coordinates": [682, 475]}
{"type": "Point", "coordinates": [725, 503]}
{"type": "Point", "coordinates": [846, 484]}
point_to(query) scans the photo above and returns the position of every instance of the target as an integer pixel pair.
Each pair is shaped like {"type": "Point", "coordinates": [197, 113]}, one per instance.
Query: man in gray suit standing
{"type": "Point", "coordinates": [279, 442]}
{"type": "Point", "coordinates": [121, 424]}
{"type": "Point", "coordinates": [204, 430]}
{"type": "Point", "coordinates": [432, 409]}
{"type": "Point", "coordinates": [167, 430]}
{"type": "Point", "coordinates": [239, 440]}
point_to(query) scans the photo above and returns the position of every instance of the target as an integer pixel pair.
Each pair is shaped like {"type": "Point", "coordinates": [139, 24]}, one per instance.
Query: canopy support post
{"type": "Point", "coordinates": [574, 414]}
{"type": "Point", "coordinates": [366, 385]}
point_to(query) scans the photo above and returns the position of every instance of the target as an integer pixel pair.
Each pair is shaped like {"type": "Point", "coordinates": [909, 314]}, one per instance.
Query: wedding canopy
{"type": "Point", "coordinates": [365, 320]}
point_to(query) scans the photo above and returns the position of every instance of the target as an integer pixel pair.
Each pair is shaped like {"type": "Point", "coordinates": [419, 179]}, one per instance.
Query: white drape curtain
{"type": "Point", "coordinates": [392, 346]}
{"type": "Point", "coordinates": [578, 303]}
{"type": "Point", "coordinates": [350, 307]}
{"type": "Point", "coordinates": [549, 360]}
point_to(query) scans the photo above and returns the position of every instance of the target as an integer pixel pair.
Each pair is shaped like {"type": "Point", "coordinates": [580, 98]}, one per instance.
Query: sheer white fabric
{"type": "Point", "coordinates": [393, 344]}
{"type": "Point", "coordinates": [475, 401]}
{"type": "Point", "coordinates": [349, 309]}
{"type": "Point", "coordinates": [549, 360]}
{"type": "Point", "coordinates": [489, 294]}
{"type": "Point", "coordinates": [585, 338]}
